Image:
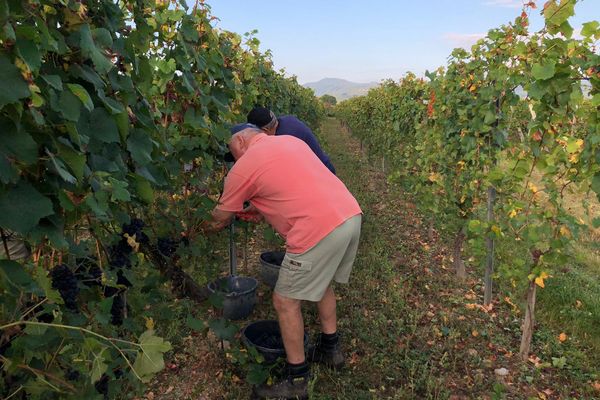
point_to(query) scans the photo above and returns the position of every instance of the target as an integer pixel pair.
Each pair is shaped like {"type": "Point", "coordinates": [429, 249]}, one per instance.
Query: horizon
{"type": "Point", "coordinates": [365, 44]}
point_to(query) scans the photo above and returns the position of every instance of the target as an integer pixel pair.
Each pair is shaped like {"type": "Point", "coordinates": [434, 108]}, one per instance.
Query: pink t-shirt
{"type": "Point", "coordinates": [291, 188]}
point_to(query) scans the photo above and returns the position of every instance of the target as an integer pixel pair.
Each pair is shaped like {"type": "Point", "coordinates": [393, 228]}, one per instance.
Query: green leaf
{"type": "Point", "coordinates": [257, 374]}
{"type": "Point", "coordinates": [566, 29]}
{"type": "Point", "coordinates": [590, 28]}
{"type": "Point", "coordinates": [17, 143]}
{"type": "Point", "coordinates": [88, 74]}
{"type": "Point", "coordinates": [143, 189]}
{"type": "Point", "coordinates": [60, 167]}
{"type": "Point", "coordinates": [103, 127]}
{"type": "Point", "coordinates": [596, 222]}
{"type": "Point", "coordinates": [69, 106]}
{"type": "Point", "coordinates": [36, 330]}
{"type": "Point", "coordinates": [89, 49]}
{"type": "Point", "coordinates": [150, 359]}
{"type": "Point", "coordinates": [544, 70]}
{"type": "Point", "coordinates": [44, 282]}
{"type": "Point", "coordinates": [140, 146]}
{"type": "Point", "coordinates": [22, 207]}
{"type": "Point", "coordinates": [123, 124]}
{"type": "Point", "coordinates": [556, 14]}
{"type": "Point", "coordinates": [13, 85]}
{"type": "Point", "coordinates": [111, 104]}
{"type": "Point", "coordinates": [54, 81]}
{"type": "Point", "coordinates": [119, 190]}
{"type": "Point", "coordinates": [8, 174]}
{"type": "Point", "coordinates": [223, 328]}
{"type": "Point", "coordinates": [82, 95]}
{"type": "Point", "coordinates": [74, 159]}
{"type": "Point", "coordinates": [596, 100]}
{"type": "Point", "coordinates": [196, 324]}
{"type": "Point", "coordinates": [29, 52]}
{"type": "Point", "coordinates": [97, 352]}
{"type": "Point", "coordinates": [15, 273]}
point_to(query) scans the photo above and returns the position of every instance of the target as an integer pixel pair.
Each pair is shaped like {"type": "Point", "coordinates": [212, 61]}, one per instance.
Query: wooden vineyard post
{"type": "Point", "coordinates": [489, 243]}
{"type": "Point", "coordinates": [459, 264]}
{"type": "Point", "coordinates": [528, 322]}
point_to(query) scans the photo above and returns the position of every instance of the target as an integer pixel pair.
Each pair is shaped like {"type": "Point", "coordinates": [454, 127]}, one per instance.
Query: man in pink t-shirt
{"type": "Point", "coordinates": [320, 220]}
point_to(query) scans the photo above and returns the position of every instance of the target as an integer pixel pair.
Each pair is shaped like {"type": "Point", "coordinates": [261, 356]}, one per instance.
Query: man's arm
{"type": "Point", "coordinates": [220, 219]}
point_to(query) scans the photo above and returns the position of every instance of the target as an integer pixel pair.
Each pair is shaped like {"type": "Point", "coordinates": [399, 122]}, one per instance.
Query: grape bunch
{"type": "Point", "coordinates": [102, 386]}
{"type": "Point", "coordinates": [167, 247]}
{"type": "Point", "coordinates": [88, 272]}
{"type": "Point", "coordinates": [65, 282]}
{"type": "Point", "coordinates": [119, 254]}
{"type": "Point", "coordinates": [135, 228]}
{"type": "Point", "coordinates": [72, 375]}
{"type": "Point", "coordinates": [117, 311]}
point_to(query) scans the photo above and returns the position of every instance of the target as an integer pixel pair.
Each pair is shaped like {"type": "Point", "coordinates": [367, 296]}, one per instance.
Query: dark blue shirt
{"type": "Point", "coordinates": [290, 125]}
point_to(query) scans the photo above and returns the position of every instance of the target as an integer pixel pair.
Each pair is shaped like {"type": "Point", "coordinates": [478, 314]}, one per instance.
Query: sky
{"type": "Point", "coordinates": [367, 41]}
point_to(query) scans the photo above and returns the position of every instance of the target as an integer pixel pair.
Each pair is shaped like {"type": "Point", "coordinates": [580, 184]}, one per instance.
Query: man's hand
{"type": "Point", "coordinates": [220, 219]}
{"type": "Point", "coordinates": [250, 214]}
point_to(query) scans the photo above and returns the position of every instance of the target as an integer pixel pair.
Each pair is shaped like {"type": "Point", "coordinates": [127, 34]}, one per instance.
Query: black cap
{"type": "Point", "coordinates": [228, 157]}
{"type": "Point", "coordinates": [260, 116]}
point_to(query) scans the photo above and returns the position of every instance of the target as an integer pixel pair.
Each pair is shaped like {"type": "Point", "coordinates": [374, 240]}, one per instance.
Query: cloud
{"type": "Point", "coordinates": [504, 3]}
{"type": "Point", "coordinates": [464, 40]}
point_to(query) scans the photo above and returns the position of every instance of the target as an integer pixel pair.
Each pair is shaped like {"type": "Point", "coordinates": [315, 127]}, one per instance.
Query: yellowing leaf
{"type": "Point", "coordinates": [512, 213]}
{"type": "Point", "coordinates": [532, 187]}
{"type": "Point", "coordinates": [434, 177]}
{"type": "Point", "coordinates": [149, 323]}
{"type": "Point", "coordinates": [562, 337]}
{"type": "Point", "coordinates": [540, 279]}
{"type": "Point", "coordinates": [564, 231]}
{"type": "Point", "coordinates": [474, 333]}
{"type": "Point", "coordinates": [132, 242]}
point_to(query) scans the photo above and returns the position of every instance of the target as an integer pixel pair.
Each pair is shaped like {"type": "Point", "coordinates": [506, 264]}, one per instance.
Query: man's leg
{"type": "Point", "coordinates": [295, 382]}
{"type": "Point", "coordinates": [327, 349]}
{"type": "Point", "coordinates": [291, 324]}
{"type": "Point", "coordinates": [327, 312]}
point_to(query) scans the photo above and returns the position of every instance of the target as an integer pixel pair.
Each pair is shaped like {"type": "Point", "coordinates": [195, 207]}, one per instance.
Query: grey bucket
{"type": "Point", "coordinates": [270, 262]}
{"type": "Point", "coordinates": [239, 295]}
{"type": "Point", "coordinates": [265, 336]}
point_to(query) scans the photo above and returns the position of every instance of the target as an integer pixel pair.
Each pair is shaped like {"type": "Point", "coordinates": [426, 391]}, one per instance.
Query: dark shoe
{"type": "Point", "coordinates": [329, 354]}
{"type": "Point", "coordinates": [294, 386]}
{"type": "Point", "coordinates": [333, 358]}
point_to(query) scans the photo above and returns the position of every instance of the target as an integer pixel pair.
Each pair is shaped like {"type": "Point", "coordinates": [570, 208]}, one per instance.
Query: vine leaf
{"type": "Point", "coordinates": [82, 95]}
{"type": "Point", "coordinates": [23, 207]}
{"type": "Point", "coordinates": [150, 359]}
{"type": "Point", "coordinates": [13, 87]}
{"type": "Point", "coordinates": [30, 53]}
{"type": "Point", "coordinates": [89, 49]}
{"type": "Point", "coordinates": [544, 70]}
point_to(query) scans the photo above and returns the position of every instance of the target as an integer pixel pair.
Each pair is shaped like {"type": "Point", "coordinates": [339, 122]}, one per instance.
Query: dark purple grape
{"type": "Point", "coordinates": [119, 256]}
{"type": "Point", "coordinates": [117, 311]}
{"type": "Point", "coordinates": [166, 246]}
{"type": "Point", "coordinates": [110, 291]}
{"type": "Point", "coordinates": [122, 279]}
{"type": "Point", "coordinates": [72, 375]}
{"type": "Point", "coordinates": [102, 386]}
{"type": "Point", "coordinates": [65, 282]}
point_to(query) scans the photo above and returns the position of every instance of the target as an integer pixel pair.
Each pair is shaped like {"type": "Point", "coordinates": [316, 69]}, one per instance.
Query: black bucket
{"type": "Point", "coordinates": [270, 262]}
{"type": "Point", "coordinates": [239, 295]}
{"type": "Point", "coordinates": [265, 336]}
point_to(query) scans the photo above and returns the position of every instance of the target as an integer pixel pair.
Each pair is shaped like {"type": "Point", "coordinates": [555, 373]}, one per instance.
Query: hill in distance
{"type": "Point", "coordinates": [341, 89]}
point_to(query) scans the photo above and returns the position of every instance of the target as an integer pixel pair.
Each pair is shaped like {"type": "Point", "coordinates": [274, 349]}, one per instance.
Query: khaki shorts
{"type": "Point", "coordinates": [306, 276]}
